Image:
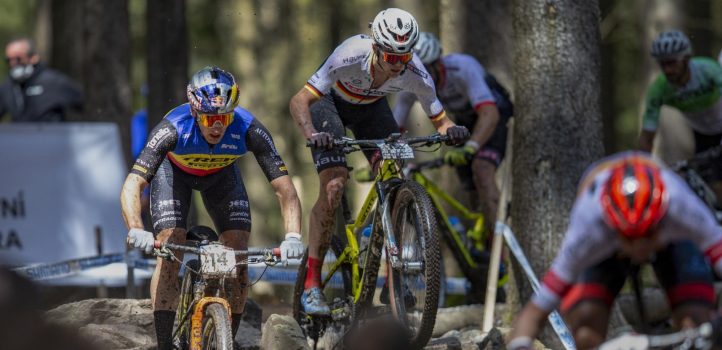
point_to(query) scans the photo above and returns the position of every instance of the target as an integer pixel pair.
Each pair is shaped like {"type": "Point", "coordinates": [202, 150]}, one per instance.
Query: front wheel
{"type": "Point", "coordinates": [414, 284]}
{"type": "Point", "coordinates": [217, 334]}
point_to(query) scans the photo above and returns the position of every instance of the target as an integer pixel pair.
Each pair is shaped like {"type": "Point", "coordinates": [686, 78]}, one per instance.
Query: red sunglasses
{"type": "Point", "coordinates": [208, 120]}
{"type": "Point", "coordinates": [393, 58]}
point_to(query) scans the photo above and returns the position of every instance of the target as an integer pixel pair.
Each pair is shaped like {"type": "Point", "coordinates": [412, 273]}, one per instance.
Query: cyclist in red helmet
{"type": "Point", "coordinates": [629, 210]}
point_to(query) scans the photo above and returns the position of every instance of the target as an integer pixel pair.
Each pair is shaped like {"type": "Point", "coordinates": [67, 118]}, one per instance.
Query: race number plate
{"type": "Point", "coordinates": [396, 151]}
{"type": "Point", "coordinates": [217, 260]}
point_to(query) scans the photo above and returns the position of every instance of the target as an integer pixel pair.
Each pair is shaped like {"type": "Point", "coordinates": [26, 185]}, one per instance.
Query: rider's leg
{"type": "Point", "coordinates": [588, 323]}
{"type": "Point", "coordinates": [237, 240]}
{"type": "Point", "coordinates": [332, 182]}
{"type": "Point", "coordinates": [165, 289]}
{"type": "Point", "coordinates": [485, 182]}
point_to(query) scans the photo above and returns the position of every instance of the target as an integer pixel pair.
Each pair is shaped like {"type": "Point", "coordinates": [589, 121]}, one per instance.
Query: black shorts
{"type": "Point", "coordinates": [332, 114]}
{"type": "Point", "coordinates": [223, 193]}
{"type": "Point", "coordinates": [493, 151]}
{"type": "Point", "coordinates": [681, 269]}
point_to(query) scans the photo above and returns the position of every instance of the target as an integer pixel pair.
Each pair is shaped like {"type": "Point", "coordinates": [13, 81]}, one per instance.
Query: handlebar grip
{"type": "Point", "coordinates": [276, 252]}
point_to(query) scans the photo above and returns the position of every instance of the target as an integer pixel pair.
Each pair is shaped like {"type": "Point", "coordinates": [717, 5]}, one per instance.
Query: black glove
{"type": "Point", "coordinates": [321, 140]}
{"type": "Point", "coordinates": [457, 134]}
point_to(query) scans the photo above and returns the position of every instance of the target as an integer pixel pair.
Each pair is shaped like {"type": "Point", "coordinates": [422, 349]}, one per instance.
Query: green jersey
{"type": "Point", "coordinates": [699, 100]}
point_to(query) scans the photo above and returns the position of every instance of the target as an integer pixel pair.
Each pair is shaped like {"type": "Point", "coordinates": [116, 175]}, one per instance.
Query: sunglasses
{"type": "Point", "coordinates": [208, 120]}
{"type": "Point", "coordinates": [393, 58]}
{"type": "Point", "coordinates": [668, 62]}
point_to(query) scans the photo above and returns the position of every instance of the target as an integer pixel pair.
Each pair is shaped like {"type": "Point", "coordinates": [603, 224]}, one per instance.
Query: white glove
{"type": "Point", "coordinates": [291, 248]}
{"type": "Point", "coordinates": [141, 239]}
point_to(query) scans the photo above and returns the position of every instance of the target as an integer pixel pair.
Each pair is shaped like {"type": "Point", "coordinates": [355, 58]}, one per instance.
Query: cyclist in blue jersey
{"type": "Point", "coordinates": [195, 147]}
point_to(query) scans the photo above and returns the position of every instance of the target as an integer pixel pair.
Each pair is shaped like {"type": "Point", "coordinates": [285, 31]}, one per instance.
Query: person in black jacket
{"type": "Point", "coordinates": [33, 92]}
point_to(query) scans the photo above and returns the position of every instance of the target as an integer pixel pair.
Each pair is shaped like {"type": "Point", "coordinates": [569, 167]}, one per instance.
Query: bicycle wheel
{"type": "Point", "coordinates": [414, 287]}
{"type": "Point", "coordinates": [338, 295]}
{"type": "Point", "coordinates": [184, 305]}
{"type": "Point", "coordinates": [217, 334]}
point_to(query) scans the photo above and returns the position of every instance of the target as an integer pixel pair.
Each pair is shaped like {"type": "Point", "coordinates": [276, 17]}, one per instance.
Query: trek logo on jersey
{"type": "Point", "coordinates": [227, 146]}
{"type": "Point", "coordinates": [159, 136]}
{"type": "Point", "coordinates": [202, 161]}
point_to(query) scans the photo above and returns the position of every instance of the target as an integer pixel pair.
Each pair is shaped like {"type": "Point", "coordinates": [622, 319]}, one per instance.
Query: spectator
{"type": "Point", "coordinates": [33, 92]}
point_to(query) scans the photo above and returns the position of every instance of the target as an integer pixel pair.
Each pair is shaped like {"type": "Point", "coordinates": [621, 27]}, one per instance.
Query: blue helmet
{"type": "Point", "coordinates": [213, 91]}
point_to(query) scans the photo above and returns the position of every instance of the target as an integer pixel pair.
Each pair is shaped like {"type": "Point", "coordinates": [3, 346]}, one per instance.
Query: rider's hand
{"type": "Point", "coordinates": [141, 239]}
{"type": "Point", "coordinates": [520, 343]}
{"type": "Point", "coordinates": [457, 134]}
{"type": "Point", "coordinates": [321, 140]}
{"type": "Point", "coordinates": [461, 155]}
{"type": "Point", "coordinates": [291, 248]}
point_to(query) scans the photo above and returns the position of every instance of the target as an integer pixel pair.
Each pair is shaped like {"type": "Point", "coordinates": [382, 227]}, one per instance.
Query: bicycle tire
{"type": "Point", "coordinates": [185, 300]}
{"type": "Point", "coordinates": [417, 237]}
{"type": "Point", "coordinates": [217, 333]}
{"type": "Point", "coordinates": [314, 331]}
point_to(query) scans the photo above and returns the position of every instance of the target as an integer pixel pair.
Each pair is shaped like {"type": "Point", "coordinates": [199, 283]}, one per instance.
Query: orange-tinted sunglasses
{"type": "Point", "coordinates": [393, 58]}
{"type": "Point", "coordinates": [208, 120]}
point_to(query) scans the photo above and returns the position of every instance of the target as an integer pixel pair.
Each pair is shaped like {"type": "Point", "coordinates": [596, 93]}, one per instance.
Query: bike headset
{"type": "Point", "coordinates": [213, 91]}
{"type": "Point", "coordinates": [671, 44]}
{"type": "Point", "coordinates": [634, 198]}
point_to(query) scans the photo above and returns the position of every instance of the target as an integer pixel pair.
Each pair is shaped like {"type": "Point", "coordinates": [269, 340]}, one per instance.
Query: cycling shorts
{"type": "Point", "coordinates": [223, 193]}
{"type": "Point", "coordinates": [681, 269]}
{"type": "Point", "coordinates": [369, 121]}
{"type": "Point", "coordinates": [493, 151]}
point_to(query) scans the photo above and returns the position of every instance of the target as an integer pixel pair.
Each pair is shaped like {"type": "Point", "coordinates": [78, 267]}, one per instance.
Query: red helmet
{"type": "Point", "coordinates": [633, 198]}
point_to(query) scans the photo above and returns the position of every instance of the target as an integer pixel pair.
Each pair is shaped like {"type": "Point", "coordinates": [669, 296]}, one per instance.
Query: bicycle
{"type": "Point", "coordinates": [203, 317]}
{"type": "Point", "coordinates": [702, 337]}
{"type": "Point", "coordinates": [694, 170]}
{"type": "Point", "coordinates": [466, 247]}
{"type": "Point", "coordinates": [404, 227]}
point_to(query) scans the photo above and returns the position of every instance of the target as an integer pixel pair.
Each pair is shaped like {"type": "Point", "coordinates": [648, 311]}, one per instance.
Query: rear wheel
{"type": "Point", "coordinates": [339, 296]}
{"type": "Point", "coordinates": [414, 285]}
{"type": "Point", "coordinates": [217, 334]}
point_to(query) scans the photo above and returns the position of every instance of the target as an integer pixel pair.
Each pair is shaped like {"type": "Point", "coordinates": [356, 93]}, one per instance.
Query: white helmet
{"type": "Point", "coordinates": [395, 30]}
{"type": "Point", "coordinates": [671, 44]}
{"type": "Point", "coordinates": [428, 48]}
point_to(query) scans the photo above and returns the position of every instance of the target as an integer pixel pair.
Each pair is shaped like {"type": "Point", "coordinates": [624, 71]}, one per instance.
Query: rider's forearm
{"type": "Point", "coordinates": [290, 204]}
{"type": "Point", "coordinates": [528, 323]}
{"type": "Point", "coordinates": [130, 202]}
{"type": "Point", "coordinates": [299, 107]}
{"type": "Point", "coordinates": [442, 124]}
{"type": "Point", "coordinates": [488, 118]}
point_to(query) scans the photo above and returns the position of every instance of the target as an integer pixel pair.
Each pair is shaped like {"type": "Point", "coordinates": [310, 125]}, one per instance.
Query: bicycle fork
{"type": "Point", "coordinates": [392, 250]}
{"type": "Point", "coordinates": [197, 319]}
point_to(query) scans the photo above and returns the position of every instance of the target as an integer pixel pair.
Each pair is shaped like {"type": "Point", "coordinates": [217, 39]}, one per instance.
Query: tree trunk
{"type": "Point", "coordinates": [167, 56]}
{"type": "Point", "coordinates": [558, 130]}
{"type": "Point", "coordinates": [91, 43]}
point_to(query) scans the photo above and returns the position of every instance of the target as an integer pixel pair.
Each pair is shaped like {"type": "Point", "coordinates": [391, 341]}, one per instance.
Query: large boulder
{"type": "Point", "coordinates": [282, 332]}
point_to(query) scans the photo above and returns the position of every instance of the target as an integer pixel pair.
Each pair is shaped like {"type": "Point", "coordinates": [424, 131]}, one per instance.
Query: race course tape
{"type": "Point", "coordinates": [67, 268]}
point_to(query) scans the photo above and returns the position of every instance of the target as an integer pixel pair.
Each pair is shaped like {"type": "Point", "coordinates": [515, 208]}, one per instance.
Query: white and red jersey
{"type": "Point", "coordinates": [461, 88]}
{"type": "Point", "coordinates": [589, 240]}
{"type": "Point", "coordinates": [349, 72]}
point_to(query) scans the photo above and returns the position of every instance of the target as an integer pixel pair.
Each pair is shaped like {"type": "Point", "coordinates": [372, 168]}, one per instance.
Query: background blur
{"type": "Point", "coordinates": [113, 47]}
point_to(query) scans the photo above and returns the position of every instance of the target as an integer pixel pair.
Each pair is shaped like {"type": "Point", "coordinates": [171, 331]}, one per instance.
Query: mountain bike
{"type": "Point", "coordinates": [403, 226]}
{"type": "Point", "coordinates": [695, 170]}
{"type": "Point", "coordinates": [702, 337]}
{"type": "Point", "coordinates": [467, 246]}
{"type": "Point", "coordinates": [203, 317]}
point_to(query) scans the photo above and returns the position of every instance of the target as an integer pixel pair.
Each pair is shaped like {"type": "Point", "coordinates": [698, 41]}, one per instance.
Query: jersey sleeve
{"type": "Point", "coordinates": [423, 88]}
{"type": "Point", "coordinates": [260, 142]}
{"type": "Point", "coordinates": [323, 79]}
{"type": "Point", "coordinates": [476, 88]}
{"type": "Point", "coordinates": [402, 108]}
{"type": "Point", "coordinates": [161, 140]}
{"type": "Point", "coordinates": [653, 103]}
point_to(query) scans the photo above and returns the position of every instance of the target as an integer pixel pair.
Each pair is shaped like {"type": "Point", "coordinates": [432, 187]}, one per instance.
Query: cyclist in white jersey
{"type": "Point", "coordinates": [629, 210]}
{"type": "Point", "coordinates": [349, 90]}
{"type": "Point", "coordinates": [461, 85]}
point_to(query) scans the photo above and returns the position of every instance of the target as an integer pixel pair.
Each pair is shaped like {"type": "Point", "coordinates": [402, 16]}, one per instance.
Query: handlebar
{"type": "Point", "coordinates": [196, 250]}
{"type": "Point", "coordinates": [393, 138]}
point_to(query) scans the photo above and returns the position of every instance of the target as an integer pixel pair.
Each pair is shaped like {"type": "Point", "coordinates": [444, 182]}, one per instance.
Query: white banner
{"type": "Point", "coordinates": [59, 190]}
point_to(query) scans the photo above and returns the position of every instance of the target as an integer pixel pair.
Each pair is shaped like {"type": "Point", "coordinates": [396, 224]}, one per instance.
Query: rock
{"type": "Point", "coordinates": [448, 343]}
{"type": "Point", "coordinates": [118, 337]}
{"type": "Point", "coordinates": [248, 337]}
{"type": "Point", "coordinates": [458, 317]}
{"type": "Point", "coordinates": [253, 314]}
{"type": "Point", "coordinates": [282, 333]}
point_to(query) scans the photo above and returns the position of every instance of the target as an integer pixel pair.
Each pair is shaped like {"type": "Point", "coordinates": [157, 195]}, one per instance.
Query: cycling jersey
{"type": "Point", "coordinates": [348, 72]}
{"type": "Point", "coordinates": [461, 88]}
{"type": "Point", "coordinates": [589, 240]}
{"type": "Point", "coordinates": [699, 100]}
{"type": "Point", "coordinates": [179, 138]}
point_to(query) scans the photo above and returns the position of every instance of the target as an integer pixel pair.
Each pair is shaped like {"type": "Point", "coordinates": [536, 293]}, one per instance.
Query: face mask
{"type": "Point", "coordinates": [21, 73]}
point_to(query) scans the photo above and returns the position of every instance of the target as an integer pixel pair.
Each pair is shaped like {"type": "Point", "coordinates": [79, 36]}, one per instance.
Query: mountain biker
{"type": "Point", "coordinates": [477, 101]}
{"type": "Point", "coordinates": [195, 147]}
{"type": "Point", "coordinates": [629, 210]}
{"type": "Point", "coordinates": [349, 90]}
